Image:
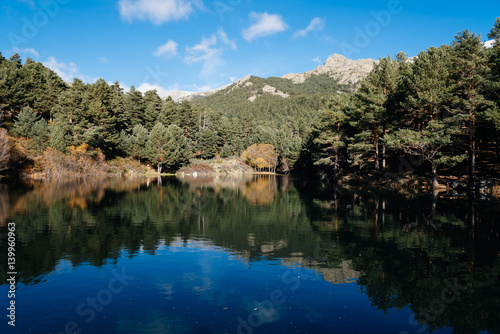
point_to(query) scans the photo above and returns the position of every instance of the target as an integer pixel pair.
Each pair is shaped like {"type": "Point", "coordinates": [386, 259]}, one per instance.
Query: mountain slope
{"type": "Point", "coordinates": [337, 74]}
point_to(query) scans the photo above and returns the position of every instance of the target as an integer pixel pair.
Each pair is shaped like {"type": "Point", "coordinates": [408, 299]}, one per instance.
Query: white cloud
{"type": "Point", "coordinates": [316, 24]}
{"type": "Point", "coordinates": [103, 60]}
{"type": "Point", "coordinates": [31, 51]}
{"type": "Point", "coordinates": [169, 49]}
{"type": "Point", "coordinates": [209, 51]}
{"type": "Point", "coordinates": [225, 40]}
{"type": "Point", "coordinates": [317, 60]}
{"type": "Point", "coordinates": [123, 86]}
{"type": "Point", "coordinates": [202, 51]}
{"type": "Point", "coordinates": [162, 92]}
{"type": "Point", "coordinates": [157, 11]}
{"type": "Point", "coordinates": [264, 24]}
{"type": "Point", "coordinates": [67, 71]}
{"type": "Point", "coordinates": [206, 52]}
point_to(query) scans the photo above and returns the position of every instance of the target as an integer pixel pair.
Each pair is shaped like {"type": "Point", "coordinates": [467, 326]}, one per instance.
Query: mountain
{"type": "Point", "coordinates": [345, 72]}
{"type": "Point", "coordinates": [489, 44]}
{"type": "Point", "coordinates": [180, 95]}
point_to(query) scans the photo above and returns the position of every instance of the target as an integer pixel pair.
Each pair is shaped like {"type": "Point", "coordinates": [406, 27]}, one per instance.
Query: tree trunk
{"type": "Point", "coordinates": [472, 154]}
{"type": "Point", "coordinates": [383, 155]}
{"type": "Point", "coordinates": [377, 164]}
{"type": "Point", "coordinates": [336, 164]}
{"type": "Point", "coordinates": [435, 182]}
{"type": "Point", "coordinates": [159, 168]}
{"type": "Point", "coordinates": [383, 147]}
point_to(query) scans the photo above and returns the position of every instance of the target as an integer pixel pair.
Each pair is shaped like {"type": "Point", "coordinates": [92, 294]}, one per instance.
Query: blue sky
{"type": "Point", "coordinates": [196, 45]}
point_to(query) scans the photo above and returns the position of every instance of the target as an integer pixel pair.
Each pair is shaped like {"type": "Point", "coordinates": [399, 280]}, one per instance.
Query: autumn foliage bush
{"type": "Point", "coordinates": [200, 168]}
{"type": "Point", "coordinates": [261, 156]}
{"type": "Point", "coordinates": [5, 149]}
{"type": "Point", "coordinates": [13, 156]}
{"type": "Point", "coordinates": [78, 162]}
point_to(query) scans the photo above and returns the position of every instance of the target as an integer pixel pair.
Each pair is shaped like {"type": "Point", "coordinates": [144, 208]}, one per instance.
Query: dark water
{"type": "Point", "coordinates": [246, 255]}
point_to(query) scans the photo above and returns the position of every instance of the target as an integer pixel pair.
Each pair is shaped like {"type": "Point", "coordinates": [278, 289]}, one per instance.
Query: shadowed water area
{"type": "Point", "coordinates": [253, 254]}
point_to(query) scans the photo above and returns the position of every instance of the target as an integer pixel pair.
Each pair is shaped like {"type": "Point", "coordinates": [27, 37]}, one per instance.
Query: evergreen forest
{"type": "Point", "coordinates": [437, 113]}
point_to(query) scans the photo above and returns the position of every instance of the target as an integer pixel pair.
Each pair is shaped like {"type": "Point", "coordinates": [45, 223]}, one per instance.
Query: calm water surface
{"type": "Point", "coordinates": [246, 255]}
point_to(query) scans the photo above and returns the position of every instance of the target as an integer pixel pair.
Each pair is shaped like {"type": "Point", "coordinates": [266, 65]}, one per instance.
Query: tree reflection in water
{"type": "Point", "coordinates": [403, 251]}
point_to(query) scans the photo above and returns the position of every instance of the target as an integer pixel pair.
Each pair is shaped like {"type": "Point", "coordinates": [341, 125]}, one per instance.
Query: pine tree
{"type": "Point", "coordinates": [428, 94]}
{"type": "Point", "coordinates": [12, 93]}
{"type": "Point", "coordinates": [153, 107]}
{"type": "Point", "coordinates": [138, 140]}
{"type": "Point", "coordinates": [125, 144]}
{"type": "Point", "coordinates": [222, 125]}
{"type": "Point", "coordinates": [102, 119]}
{"type": "Point", "coordinates": [492, 115]}
{"type": "Point", "coordinates": [15, 59]}
{"type": "Point", "coordinates": [134, 108]}
{"type": "Point", "coordinates": [155, 146]}
{"type": "Point", "coordinates": [26, 119]}
{"type": "Point", "coordinates": [370, 115]}
{"type": "Point", "coordinates": [168, 112]}
{"type": "Point", "coordinates": [69, 115]}
{"type": "Point", "coordinates": [468, 104]}
{"type": "Point", "coordinates": [177, 149]}
{"type": "Point", "coordinates": [208, 143]}
{"type": "Point", "coordinates": [495, 30]}
{"type": "Point", "coordinates": [187, 120]}
{"type": "Point", "coordinates": [40, 133]}
{"type": "Point", "coordinates": [41, 87]}
{"type": "Point", "coordinates": [329, 136]}
{"type": "Point", "coordinates": [58, 138]}
{"type": "Point", "coordinates": [118, 108]}
{"type": "Point", "coordinates": [226, 151]}
{"type": "Point", "coordinates": [427, 143]}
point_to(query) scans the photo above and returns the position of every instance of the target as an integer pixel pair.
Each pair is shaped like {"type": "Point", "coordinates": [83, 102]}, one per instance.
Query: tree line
{"type": "Point", "coordinates": [36, 104]}
{"type": "Point", "coordinates": [439, 106]}
{"type": "Point", "coordinates": [442, 106]}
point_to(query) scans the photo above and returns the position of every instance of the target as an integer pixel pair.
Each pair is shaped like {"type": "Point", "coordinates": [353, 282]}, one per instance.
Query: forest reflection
{"type": "Point", "coordinates": [256, 189]}
{"type": "Point", "coordinates": [401, 250]}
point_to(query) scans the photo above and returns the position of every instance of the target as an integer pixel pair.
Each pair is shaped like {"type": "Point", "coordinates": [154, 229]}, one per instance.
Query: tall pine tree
{"type": "Point", "coordinates": [469, 62]}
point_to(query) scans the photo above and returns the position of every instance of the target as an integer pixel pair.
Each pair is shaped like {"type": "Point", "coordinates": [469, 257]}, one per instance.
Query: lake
{"type": "Point", "coordinates": [248, 254]}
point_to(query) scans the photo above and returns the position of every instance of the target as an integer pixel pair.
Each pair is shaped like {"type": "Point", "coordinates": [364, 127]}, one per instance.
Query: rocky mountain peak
{"type": "Point", "coordinates": [338, 67]}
